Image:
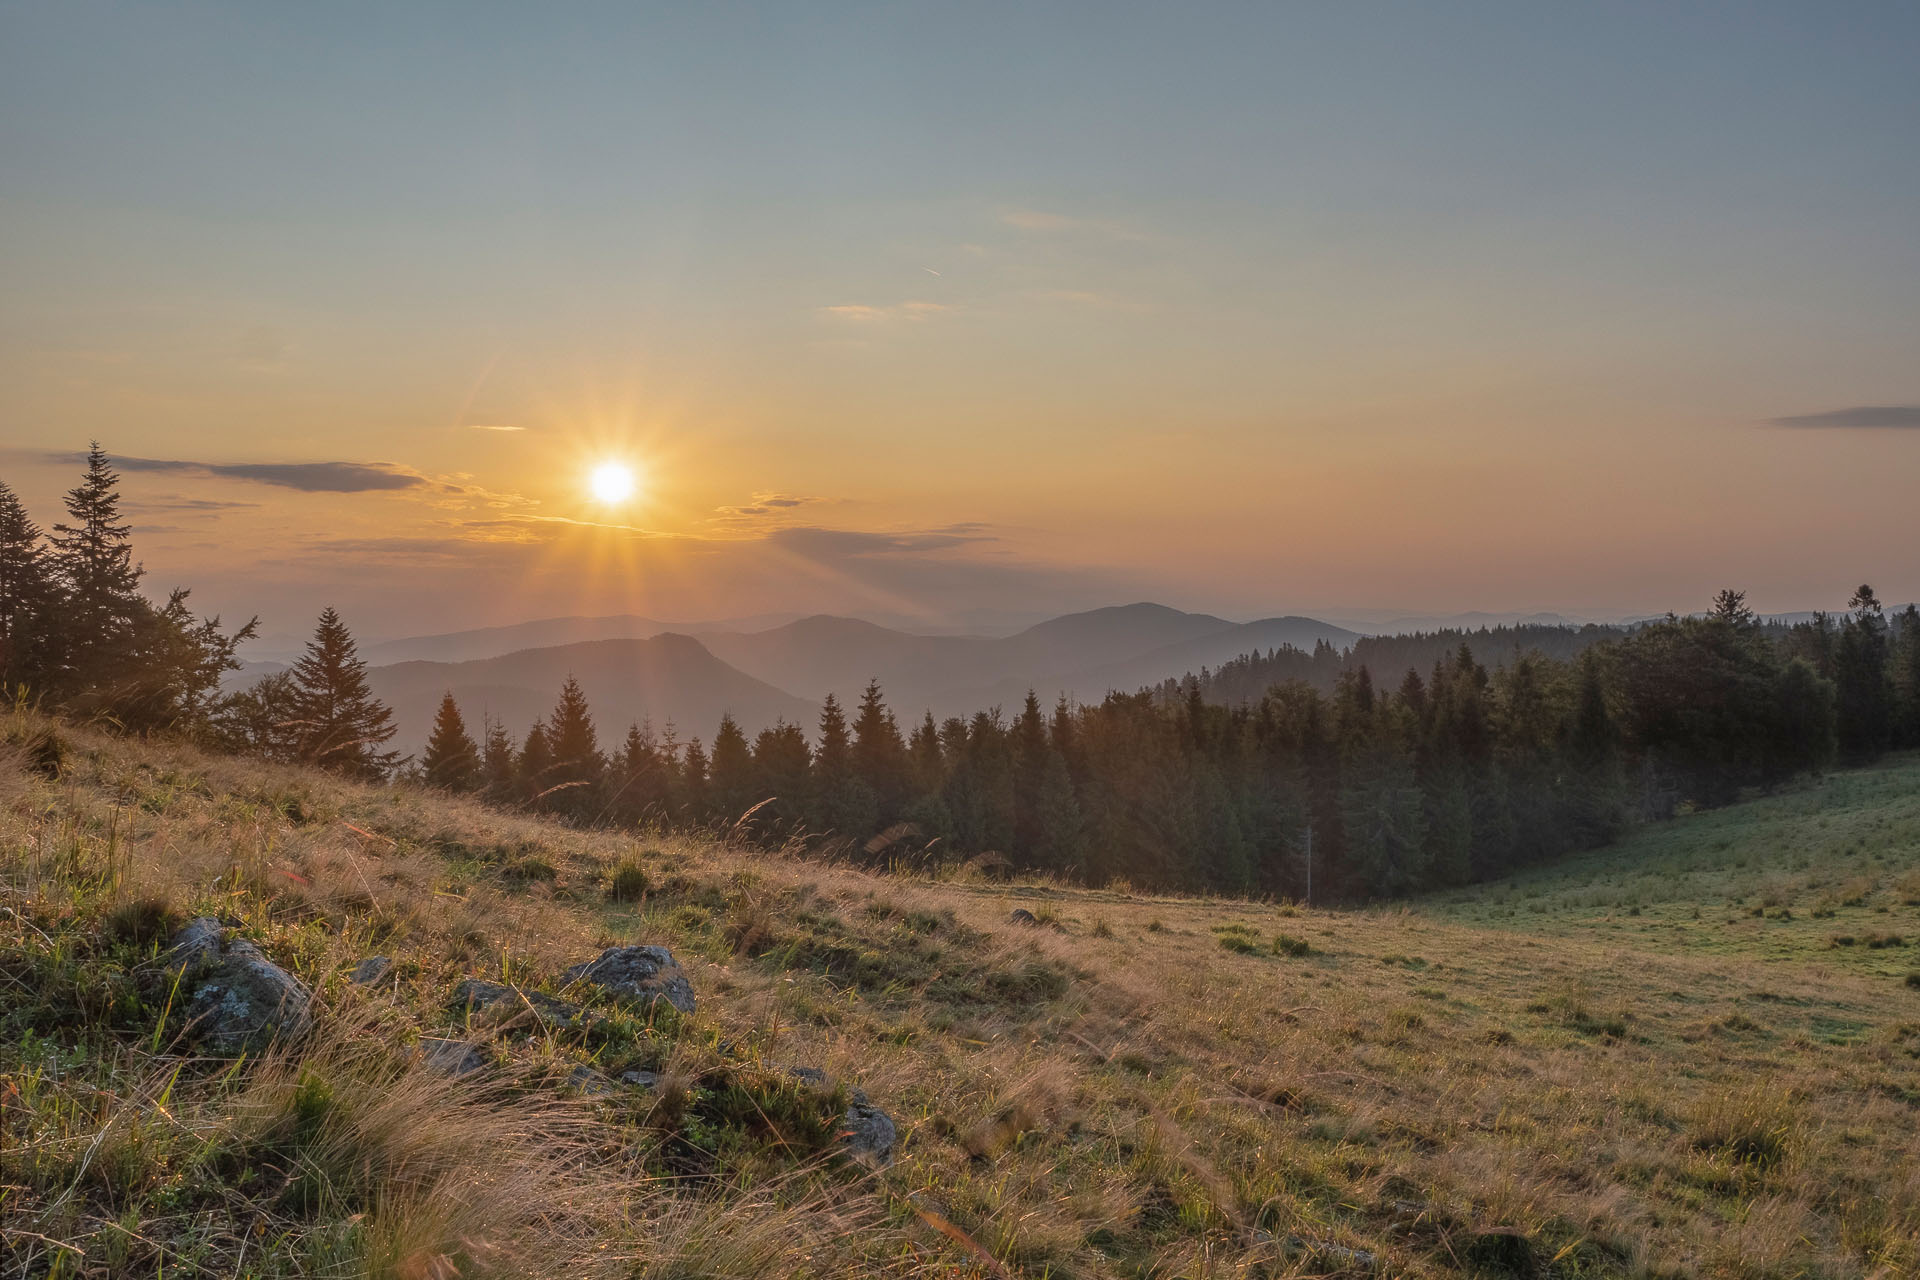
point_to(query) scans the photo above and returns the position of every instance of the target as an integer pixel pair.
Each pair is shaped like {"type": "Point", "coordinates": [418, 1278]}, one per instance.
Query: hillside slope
{"type": "Point", "coordinates": [1126, 1086]}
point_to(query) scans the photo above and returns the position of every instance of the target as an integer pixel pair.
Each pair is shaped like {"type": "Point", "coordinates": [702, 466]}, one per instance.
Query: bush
{"type": "Point", "coordinates": [1755, 1127]}
{"type": "Point", "coordinates": [1913, 979]}
{"type": "Point", "coordinates": [629, 883]}
{"type": "Point", "coordinates": [1285, 944]}
{"type": "Point", "coordinates": [1240, 944]}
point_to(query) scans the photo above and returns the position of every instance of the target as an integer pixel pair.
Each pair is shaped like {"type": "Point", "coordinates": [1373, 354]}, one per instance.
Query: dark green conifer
{"type": "Point", "coordinates": [342, 726]}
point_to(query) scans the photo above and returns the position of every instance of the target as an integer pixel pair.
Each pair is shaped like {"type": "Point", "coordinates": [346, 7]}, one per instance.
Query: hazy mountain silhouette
{"type": "Point", "coordinates": [664, 677]}
{"type": "Point", "coordinates": [1082, 654]}
{"type": "Point", "coordinates": [785, 670]}
{"type": "Point", "coordinates": [491, 642]}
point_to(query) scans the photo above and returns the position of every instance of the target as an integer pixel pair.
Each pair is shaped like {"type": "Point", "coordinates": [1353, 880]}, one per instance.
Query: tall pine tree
{"type": "Point", "coordinates": [101, 608]}
{"type": "Point", "coordinates": [342, 725]}
{"type": "Point", "coordinates": [452, 760]}
{"type": "Point", "coordinates": [27, 599]}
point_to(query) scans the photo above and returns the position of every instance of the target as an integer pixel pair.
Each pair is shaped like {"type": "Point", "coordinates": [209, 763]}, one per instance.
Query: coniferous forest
{"type": "Point", "coordinates": [1402, 763]}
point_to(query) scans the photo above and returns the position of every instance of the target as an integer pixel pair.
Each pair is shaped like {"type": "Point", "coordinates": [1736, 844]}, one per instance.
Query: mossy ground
{"type": "Point", "coordinates": [1520, 1077]}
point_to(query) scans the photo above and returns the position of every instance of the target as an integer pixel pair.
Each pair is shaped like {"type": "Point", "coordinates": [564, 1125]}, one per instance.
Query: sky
{"type": "Point", "coordinates": [960, 313]}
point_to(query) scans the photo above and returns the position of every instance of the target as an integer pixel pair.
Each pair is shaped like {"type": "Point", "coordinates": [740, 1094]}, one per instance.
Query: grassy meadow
{"type": "Point", "coordinates": [1657, 1060]}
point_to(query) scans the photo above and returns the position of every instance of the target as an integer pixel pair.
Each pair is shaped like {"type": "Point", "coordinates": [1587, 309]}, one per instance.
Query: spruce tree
{"type": "Point", "coordinates": [880, 755]}
{"type": "Point", "coordinates": [496, 760]}
{"type": "Point", "coordinates": [533, 771]}
{"type": "Point", "coordinates": [342, 725]}
{"type": "Point", "coordinates": [99, 581]}
{"type": "Point", "coordinates": [730, 772]}
{"type": "Point", "coordinates": [452, 760]}
{"type": "Point", "coordinates": [578, 766]}
{"type": "Point", "coordinates": [1860, 676]}
{"type": "Point", "coordinates": [28, 597]}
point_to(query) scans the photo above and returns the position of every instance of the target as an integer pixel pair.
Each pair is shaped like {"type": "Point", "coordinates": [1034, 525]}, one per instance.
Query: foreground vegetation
{"type": "Point", "coordinates": [1522, 1079]}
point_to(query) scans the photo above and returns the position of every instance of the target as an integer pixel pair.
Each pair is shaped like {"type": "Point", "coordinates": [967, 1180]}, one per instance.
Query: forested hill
{"type": "Point", "coordinates": [1246, 679]}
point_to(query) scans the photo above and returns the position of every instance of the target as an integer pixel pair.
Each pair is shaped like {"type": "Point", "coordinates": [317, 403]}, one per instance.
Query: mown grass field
{"type": "Point", "coordinates": [1521, 1079]}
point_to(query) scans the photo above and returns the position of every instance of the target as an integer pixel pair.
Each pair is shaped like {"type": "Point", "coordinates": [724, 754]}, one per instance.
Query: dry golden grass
{"type": "Point", "coordinates": [1429, 1090]}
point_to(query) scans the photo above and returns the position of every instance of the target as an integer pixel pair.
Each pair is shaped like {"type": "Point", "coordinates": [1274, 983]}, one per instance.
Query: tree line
{"type": "Point", "coordinates": [1322, 780]}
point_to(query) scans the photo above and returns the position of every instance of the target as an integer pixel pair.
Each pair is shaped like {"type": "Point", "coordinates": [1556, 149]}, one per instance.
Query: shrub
{"type": "Point", "coordinates": [1285, 944]}
{"type": "Point", "coordinates": [1913, 979]}
{"type": "Point", "coordinates": [1753, 1127]}
{"type": "Point", "coordinates": [1239, 944]}
{"type": "Point", "coordinates": [629, 883]}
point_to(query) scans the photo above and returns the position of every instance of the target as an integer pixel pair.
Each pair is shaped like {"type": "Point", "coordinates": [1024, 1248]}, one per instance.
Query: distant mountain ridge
{"type": "Point", "coordinates": [785, 671]}
{"type": "Point", "coordinates": [664, 678]}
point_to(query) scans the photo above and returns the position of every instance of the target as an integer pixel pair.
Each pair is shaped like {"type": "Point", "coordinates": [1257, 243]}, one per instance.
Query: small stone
{"type": "Point", "coordinates": [1023, 916]}
{"type": "Point", "coordinates": [371, 970]}
{"type": "Point", "coordinates": [638, 975]}
{"type": "Point", "coordinates": [590, 1082]}
{"type": "Point", "coordinates": [451, 1057]}
{"type": "Point", "coordinates": [867, 1134]}
{"type": "Point", "coordinates": [1327, 1253]}
{"type": "Point", "coordinates": [641, 1079]}
{"type": "Point", "coordinates": [809, 1075]}
{"type": "Point", "coordinates": [242, 1002]}
{"type": "Point", "coordinates": [476, 994]}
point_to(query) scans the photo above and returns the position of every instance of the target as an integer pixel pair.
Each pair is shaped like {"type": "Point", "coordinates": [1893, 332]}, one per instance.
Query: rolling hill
{"type": "Point", "coordinates": [1691, 1055]}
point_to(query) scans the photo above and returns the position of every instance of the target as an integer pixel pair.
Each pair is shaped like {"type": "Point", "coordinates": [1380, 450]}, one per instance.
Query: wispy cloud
{"type": "Point", "coordinates": [814, 541]}
{"type": "Point", "coordinates": [861, 313]}
{"type": "Point", "coordinates": [307, 477]}
{"type": "Point", "coordinates": [1042, 221]}
{"type": "Point", "coordinates": [1886, 415]}
{"type": "Point", "coordinates": [766, 504]}
{"type": "Point", "coordinates": [172, 503]}
{"type": "Point", "coordinates": [492, 426]}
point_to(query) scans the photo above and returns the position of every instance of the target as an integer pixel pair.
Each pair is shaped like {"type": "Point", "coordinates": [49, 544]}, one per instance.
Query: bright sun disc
{"type": "Point", "coordinates": [612, 482]}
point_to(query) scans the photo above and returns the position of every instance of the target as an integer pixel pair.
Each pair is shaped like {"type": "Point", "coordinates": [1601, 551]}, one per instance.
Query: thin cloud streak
{"type": "Point", "coordinates": [1887, 415]}
{"type": "Point", "coordinates": [307, 477]}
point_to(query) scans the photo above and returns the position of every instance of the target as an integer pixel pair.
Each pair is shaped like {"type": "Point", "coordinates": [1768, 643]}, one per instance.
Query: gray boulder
{"type": "Point", "coordinates": [451, 1057]}
{"type": "Point", "coordinates": [242, 1002]}
{"type": "Point", "coordinates": [590, 1082]}
{"type": "Point", "coordinates": [371, 970]}
{"type": "Point", "coordinates": [201, 942]}
{"type": "Point", "coordinates": [867, 1133]}
{"type": "Point", "coordinates": [638, 975]}
{"type": "Point", "coordinates": [477, 994]}
{"type": "Point", "coordinates": [641, 1079]}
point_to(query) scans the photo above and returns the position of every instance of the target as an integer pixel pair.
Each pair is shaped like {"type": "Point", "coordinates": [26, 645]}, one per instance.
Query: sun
{"type": "Point", "coordinates": [612, 482]}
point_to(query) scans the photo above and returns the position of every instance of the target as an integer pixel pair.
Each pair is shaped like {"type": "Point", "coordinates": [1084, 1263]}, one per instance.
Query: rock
{"type": "Point", "coordinates": [474, 994]}
{"type": "Point", "coordinates": [867, 1133]}
{"type": "Point", "coordinates": [197, 944]}
{"type": "Point", "coordinates": [1325, 1252]}
{"type": "Point", "coordinates": [590, 1082]}
{"type": "Point", "coordinates": [371, 970]}
{"type": "Point", "coordinates": [638, 975]}
{"type": "Point", "coordinates": [1023, 916]}
{"type": "Point", "coordinates": [242, 1002]}
{"type": "Point", "coordinates": [809, 1075]}
{"type": "Point", "coordinates": [451, 1057]}
{"type": "Point", "coordinates": [641, 1079]}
